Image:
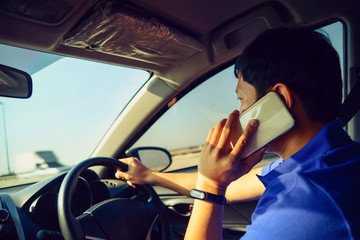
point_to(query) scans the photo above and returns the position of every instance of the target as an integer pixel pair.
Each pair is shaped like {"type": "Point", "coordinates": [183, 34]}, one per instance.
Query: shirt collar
{"type": "Point", "coordinates": [328, 137]}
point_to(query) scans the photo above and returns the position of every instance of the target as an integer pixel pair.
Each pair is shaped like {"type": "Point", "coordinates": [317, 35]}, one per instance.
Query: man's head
{"type": "Point", "coordinates": [302, 60]}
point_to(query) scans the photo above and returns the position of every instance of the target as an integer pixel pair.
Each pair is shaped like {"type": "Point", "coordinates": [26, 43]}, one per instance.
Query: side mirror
{"type": "Point", "coordinates": [157, 159]}
{"type": "Point", "coordinates": [14, 83]}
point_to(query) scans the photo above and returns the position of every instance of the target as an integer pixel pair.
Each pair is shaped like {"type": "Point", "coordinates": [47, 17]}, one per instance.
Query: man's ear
{"type": "Point", "coordinates": [284, 93]}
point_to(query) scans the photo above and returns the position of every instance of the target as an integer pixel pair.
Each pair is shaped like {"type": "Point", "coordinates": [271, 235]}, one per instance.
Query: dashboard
{"type": "Point", "coordinates": [31, 213]}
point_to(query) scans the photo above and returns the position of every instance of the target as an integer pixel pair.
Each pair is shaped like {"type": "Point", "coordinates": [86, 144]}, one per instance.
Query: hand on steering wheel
{"type": "Point", "coordinates": [107, 215]}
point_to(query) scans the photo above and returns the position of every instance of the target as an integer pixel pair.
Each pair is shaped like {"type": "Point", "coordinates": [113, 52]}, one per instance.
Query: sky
{"type": "Point", "coordinates": [74, 102]}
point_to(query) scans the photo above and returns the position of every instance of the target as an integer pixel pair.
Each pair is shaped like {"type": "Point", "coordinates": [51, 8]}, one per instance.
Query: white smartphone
{"type": "Point", "coordinates": [274, 120]}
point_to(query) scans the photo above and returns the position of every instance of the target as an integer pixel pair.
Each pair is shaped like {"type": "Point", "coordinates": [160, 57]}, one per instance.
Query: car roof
{"type": "Point", "coordinates": [218, 26]}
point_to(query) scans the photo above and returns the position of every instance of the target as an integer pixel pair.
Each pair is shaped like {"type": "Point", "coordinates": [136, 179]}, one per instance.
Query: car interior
{"type": "Point", "coordinates": [186, 51]}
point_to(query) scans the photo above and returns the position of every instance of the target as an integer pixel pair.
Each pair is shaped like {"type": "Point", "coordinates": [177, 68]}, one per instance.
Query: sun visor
{"type": "Point", "coordinates": [118, 30]}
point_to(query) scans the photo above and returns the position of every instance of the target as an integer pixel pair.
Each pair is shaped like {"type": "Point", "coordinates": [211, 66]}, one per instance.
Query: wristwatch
{"type": "Point", "coordinates": [198, 194]}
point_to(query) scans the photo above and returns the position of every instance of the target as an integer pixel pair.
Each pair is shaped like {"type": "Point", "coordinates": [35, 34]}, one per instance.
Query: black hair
{"type": "Point", "coordinates": [303, 60]}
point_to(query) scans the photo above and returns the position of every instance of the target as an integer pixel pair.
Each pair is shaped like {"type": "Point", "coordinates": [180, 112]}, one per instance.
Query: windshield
{"type": "Point", "coordinates": [73, 104]}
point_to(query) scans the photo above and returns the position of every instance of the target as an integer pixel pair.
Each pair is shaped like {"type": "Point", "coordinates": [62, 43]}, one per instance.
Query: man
{"type": "Point", "coordinates": [312, 191]}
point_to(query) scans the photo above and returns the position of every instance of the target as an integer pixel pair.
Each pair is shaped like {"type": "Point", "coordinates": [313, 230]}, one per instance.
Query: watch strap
{"type": "Point", "coordinates": [210, 197]}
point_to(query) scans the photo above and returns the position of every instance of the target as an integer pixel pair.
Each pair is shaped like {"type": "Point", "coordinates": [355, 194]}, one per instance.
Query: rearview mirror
{"type": "Point", "coordinates": [14, 83]}
{"type": "Point", "coordinates": [156, 159]}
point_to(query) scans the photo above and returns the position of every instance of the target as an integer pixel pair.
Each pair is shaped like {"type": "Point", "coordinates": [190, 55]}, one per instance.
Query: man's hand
{"type": "Point", "coordinates": [219, 165]}
{"type": "Point", "coordinates": [137, 173]}
{"type": "Point", "coordinates": [221, 162]}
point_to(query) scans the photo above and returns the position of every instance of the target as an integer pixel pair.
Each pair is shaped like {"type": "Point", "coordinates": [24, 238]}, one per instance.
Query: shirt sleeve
{"type": "Point", "coordinates": [295, 208]}
{"type": "Point", "coordinates": [266, 169]}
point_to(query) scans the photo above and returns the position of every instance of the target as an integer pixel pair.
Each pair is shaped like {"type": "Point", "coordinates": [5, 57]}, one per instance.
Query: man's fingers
{"type": "Point", "coordinates": [120, 174]}
{"type": "Point", "coordinates": [128, 161]}
{"type": "Point", "coordinates": [226, 132]}
{"type": "Point", "coordinates": [253, 159]}
{"type": "Point", "coordinates": [124, 176]}
{"type": "Point", "coordinates": [216, 133]}
{"type": "Point", "coordinates": [131, 184]}
{"type": "Point", "coordinates": [208, 139]}
{"type": "Point", "coordinates": [246, 137]}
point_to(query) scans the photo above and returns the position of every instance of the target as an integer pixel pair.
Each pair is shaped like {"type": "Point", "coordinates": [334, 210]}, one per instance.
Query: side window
{"type": "Point", "coordinates": [184, 127]}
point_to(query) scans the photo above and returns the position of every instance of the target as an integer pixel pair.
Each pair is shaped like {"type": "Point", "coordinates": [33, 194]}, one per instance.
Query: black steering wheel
{"type": "Point", "coordinates": [118, 218]}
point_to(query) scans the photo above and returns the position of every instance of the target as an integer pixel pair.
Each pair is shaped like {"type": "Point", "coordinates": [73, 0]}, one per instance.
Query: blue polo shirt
{"type": "Point", "coordinates": [315, 194]}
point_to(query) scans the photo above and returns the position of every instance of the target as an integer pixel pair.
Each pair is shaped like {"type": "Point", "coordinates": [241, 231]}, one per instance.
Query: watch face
{"type": "Point", "coordinates": [197, 194]}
